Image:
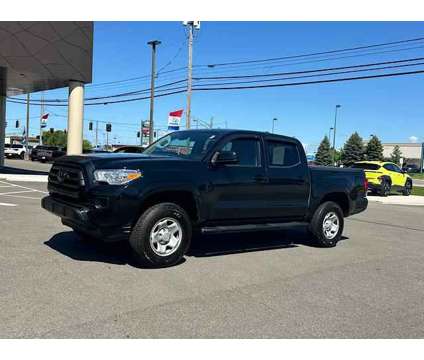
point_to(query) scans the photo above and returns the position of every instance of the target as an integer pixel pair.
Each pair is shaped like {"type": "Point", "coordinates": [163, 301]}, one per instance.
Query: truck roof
{"type": "Point", "coordinates": [238, 131]}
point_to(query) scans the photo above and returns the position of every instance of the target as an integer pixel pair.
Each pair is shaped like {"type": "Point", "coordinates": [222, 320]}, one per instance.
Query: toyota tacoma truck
{"type": "Point", "coordinates": [206, 181]}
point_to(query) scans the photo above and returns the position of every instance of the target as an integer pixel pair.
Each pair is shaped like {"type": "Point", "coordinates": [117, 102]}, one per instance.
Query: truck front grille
{"type": "Point", "coordinates": [66, 180]}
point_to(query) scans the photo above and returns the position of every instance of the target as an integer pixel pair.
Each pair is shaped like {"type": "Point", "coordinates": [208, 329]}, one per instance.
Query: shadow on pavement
{"type": "Point", "coordinates": [69, 244]}
{"type": "Point", "coordinates": [19, 171]}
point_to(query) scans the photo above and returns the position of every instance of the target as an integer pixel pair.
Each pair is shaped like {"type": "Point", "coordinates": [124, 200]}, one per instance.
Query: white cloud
{"type": "Point", "coordinates": [413, 139]}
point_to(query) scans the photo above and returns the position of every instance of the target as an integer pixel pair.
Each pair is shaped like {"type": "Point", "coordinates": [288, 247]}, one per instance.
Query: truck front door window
{"type": "Point", "coordinates": [246, 149]}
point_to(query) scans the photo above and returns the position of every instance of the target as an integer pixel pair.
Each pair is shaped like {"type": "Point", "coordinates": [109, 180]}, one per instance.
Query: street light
{"type": "Point", "coordinates": [273, 122]}
{"type": "Point", "coordinates": [334, 134]}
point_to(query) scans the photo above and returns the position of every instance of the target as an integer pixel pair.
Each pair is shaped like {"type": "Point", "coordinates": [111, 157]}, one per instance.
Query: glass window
{"type": "Point", "coordinates": [282, 153]}
{"type": "Point", "coordinates": [186, 144]}
{"type": "Point", "coordinates": [366, 166]}
{"type": "Point", "coordinates": [246, 149]}
{"type": "Point", "coordinates": [389, 167]}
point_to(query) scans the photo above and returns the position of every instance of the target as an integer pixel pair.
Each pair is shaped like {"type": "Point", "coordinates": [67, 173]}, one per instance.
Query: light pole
{"type": "Point", "coordinates": [334, 134]}
{"type": "Point", "coordinates": [153, 44]}
{"type": "Point", "coordinates": [273, 123]}
{"type": "Point", "coordinates": [329, 133]}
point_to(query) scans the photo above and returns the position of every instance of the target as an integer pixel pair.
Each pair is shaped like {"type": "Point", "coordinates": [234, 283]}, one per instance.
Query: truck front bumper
{"type": "Point", "coordinates": [83, 219]}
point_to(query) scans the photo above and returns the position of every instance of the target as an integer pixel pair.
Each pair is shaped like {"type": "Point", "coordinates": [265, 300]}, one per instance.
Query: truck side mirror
{"type": "Point", "coordinates": [225, 157]}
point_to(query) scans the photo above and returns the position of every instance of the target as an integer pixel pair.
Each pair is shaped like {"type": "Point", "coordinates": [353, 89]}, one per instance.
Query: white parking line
{"type": "Point", "coordinates": [7, 204]}
{"type": "Point", "coordinates": [23, 187]}
{"type": "Point", "coordinates": [17, 192]}
{"type": "Point", "coordinates": [25, 197]}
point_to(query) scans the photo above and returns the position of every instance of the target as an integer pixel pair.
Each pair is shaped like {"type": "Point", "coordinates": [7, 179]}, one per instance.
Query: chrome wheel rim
{"type": "Point", "coordinates": [331, 225]}
{"type": "Point", "coordinates": [165, 236]}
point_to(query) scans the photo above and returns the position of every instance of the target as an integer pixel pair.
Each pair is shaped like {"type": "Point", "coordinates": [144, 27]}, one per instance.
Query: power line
{"type": "Point", "coordinates": [316, 53]}
{"type": "Point", "coordinates": [257, 86]}
{"type": "Point", "coordinates": [312, 82]}
{"type": "Point", "coordinates": [314, 75]}
{"type": "Point", "coordinates": [310, 71]}
{"type": "Point", "coordinates": [137, 92]}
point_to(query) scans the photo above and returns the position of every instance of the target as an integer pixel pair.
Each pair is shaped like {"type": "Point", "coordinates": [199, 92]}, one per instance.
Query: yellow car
{"type": "Point", "coordinates": [383, 177]}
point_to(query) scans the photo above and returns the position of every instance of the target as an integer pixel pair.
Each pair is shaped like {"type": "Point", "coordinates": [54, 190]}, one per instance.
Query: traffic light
{"type": "Point", "coordinates": [90, 126]}
{"type": "Point", "coordinates": [51, 130]}
{"type": "Point", "coordinates": [17, 124]}
{"type": "Point", "coordinates": [138, 134]}
{"type": "Point", "coordinates": [108, 127]}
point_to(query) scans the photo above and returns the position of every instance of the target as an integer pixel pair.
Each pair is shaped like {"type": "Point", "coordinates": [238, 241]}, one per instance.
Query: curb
{"type": "Point", "coordinates": [24, 178]}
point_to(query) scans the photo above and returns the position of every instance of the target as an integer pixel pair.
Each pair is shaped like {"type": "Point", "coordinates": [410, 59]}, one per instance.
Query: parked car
{"type": "Point", "coordinates": [383, 177]}
{"type": "Point", "coordinates": [14, 151]}
{"type": "Point", "coordinates": [209, 181]}
{"type": "Point", "coordinates": [411, 168]}
{"type": "Point", "coordinates": [46, 153]}
{"type": "Point", "coordinates": [129, 149]}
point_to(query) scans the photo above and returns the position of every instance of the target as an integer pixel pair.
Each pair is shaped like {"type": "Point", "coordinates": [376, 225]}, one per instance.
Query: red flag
{"type": "Point", "coordinates": [45, 116]}
{"type": "Point", "coordinates": [177, 113]}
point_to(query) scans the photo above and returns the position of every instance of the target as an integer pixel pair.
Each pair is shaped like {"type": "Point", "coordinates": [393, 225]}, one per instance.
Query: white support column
{"type": "Point", "coordinates": [75, 117]}
{"type": "Point", "coordinates": [2, 122]}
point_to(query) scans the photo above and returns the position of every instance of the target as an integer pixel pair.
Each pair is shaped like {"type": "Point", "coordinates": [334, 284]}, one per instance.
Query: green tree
{"type": "Point", "coordinates": [59, 138]}
{"type": "Point", "coordinates": [353, 150]}
{"type": "Point", "coordinates": [374, 149]}
{"type": "Point", "coordinates": [396, 155]}
{"type": "Point", "coordinates": [56, 138]}
{"type": "Point", "coordinates": [323, 155]}
{"type": "Point", "coordinates": [86, 145]}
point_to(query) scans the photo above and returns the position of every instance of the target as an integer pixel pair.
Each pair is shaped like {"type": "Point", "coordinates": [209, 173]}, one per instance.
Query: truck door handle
{"type": "Point", "coordinates": [260, 179]}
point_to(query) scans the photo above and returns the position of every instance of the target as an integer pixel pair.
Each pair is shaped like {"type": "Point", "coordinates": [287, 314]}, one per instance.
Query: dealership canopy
{"type": "Point", "coordinates": [37, 56]}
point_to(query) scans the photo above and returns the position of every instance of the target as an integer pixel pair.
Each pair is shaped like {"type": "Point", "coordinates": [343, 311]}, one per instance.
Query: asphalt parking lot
{"type": "Point", "coordinates": [267, 284]}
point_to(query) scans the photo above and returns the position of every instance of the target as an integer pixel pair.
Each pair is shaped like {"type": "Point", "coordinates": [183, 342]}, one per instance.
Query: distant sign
{"type": "Point", "coordinates": [44, 120]}
{"type": "Point", "coordinates": [174, 120]}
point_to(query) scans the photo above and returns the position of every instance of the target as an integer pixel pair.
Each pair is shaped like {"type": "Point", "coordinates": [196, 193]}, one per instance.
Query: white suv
{"type": "Point", "coordinates": [14, 151]}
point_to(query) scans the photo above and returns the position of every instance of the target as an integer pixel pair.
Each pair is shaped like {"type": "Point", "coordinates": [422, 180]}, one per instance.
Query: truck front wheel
{"type": "Point", "coordinates": [327, 224]}
{"type": "Point", "coordinates": [161, 235]}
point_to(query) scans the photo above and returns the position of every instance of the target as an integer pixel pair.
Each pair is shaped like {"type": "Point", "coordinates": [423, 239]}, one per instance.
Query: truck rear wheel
{"type": "Point", "coordinates": [161, 235]}
{"type": "Point", "coordinates": [327, 224]}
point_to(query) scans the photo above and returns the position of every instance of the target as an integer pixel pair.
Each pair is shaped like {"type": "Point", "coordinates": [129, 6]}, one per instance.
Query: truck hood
{"type": "Point", "coordinates": [120, 160]}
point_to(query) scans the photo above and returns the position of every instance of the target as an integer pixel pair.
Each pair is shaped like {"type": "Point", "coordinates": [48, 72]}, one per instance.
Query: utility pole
{"type": "Point", "coordinates": [191, 26]}
{"type": "Point", "coordinates": [334, 134]}
{"type": "Point", "coordinates": [27, 128]}
{"type": "Point", "coordinates": [40, 142]}
{"type": "Point", "coordinates": [107, 140]}
{"type": "Point", "coordinates": [153, 43]}
{"type": "Point", "coordinates": [273, 124]}
{"type": "Point", "coordinates": [211, 123]}
{"type": "Point", "coordinates": [97, 133]}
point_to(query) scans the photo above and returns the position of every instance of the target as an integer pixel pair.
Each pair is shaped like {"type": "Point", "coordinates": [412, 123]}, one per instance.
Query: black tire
{"type": "Point", "coordinates": [145, 251]}
{"type": "Point", "coordinates": [407, 188]}
{"type": "Point", "coordinates": [385, 188]}
{"type": "Point", "coordinates": [318, 226]}
{"type": "Point", "coordinates": [22, 155]}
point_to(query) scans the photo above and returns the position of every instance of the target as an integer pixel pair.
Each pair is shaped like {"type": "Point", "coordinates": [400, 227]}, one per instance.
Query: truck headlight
{"type": "Point", "coordinates": [116, 176]}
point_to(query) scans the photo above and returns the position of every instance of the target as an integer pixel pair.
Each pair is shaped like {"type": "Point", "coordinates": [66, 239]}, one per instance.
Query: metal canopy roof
{"type": "Point", "coordinates": [45, 55]}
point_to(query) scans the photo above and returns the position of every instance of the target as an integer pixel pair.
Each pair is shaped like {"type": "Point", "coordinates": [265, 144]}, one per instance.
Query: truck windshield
{"type": "Point", "coordinates": [185, 144]}
{"type": "Point", "coordinates": [366, 166]}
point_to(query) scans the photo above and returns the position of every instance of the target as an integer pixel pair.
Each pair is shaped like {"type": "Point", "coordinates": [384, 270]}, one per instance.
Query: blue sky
{"type": "Point", "coordinates": [391, 108]}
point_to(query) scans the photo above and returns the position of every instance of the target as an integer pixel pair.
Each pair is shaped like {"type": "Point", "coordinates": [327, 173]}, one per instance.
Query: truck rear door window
{"type": "Point", "coordinates": [282, 153]}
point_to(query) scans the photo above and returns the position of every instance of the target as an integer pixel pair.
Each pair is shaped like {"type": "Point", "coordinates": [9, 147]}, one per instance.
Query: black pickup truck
{"type": "Point", "coordinates": [201, 180]}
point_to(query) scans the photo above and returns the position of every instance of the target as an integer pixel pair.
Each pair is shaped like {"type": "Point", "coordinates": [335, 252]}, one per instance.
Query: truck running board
{"type": "Point", "coordinates": [249, 227]}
